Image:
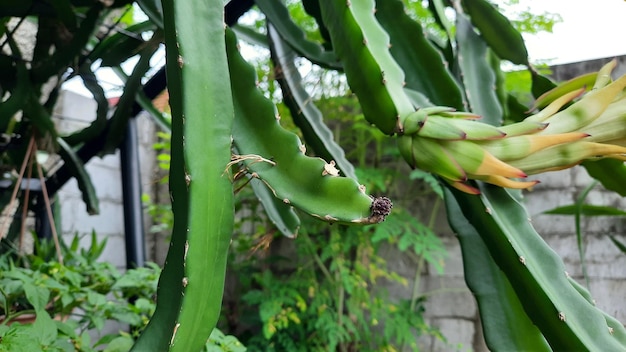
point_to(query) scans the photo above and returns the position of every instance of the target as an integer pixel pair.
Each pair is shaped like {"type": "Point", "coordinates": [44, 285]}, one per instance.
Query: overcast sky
{"type": "Point", "coordinates": [589, 30]}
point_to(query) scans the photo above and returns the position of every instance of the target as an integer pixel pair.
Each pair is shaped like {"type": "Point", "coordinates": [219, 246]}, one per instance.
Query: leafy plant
{"type": "Point", "coordinates": [327, 292]}
{"type": "Point", "coordinates": [80, 295]}
{"type": "Point", "coordinates": [50, 306]}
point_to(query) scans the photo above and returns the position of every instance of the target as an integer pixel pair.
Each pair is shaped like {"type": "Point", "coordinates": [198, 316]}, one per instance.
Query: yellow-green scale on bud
{"type": "Point", "coordinates": [574, 84]}
{"type": "Point", "coordinates": [518, 147]}
{"type": "Point", "coordinates": [610, 125]}
{"type": "Point", "coordinates": [477, 161]}
{"type": "Point", "coordinates": [585, 111]}
{"type": "Point", "coordinates": [456, 129]}
{"type": "Point", "coordinates": [429, 155]}
{"type": "Point", "coordinates": [565, 155]}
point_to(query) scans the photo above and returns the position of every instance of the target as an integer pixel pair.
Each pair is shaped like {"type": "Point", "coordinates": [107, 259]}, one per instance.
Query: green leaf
{"type": "Point", "coordinates": [578, 209]}
{"type": "Point", "coordinates": [119, 344]}
{"type": "Point", "coordinates": [478, 78]}
{"type": "Point", "coordinates": [65, 13]}
{"type": "Point", "coordinates": [18, 338]}
{"type": "Point", "coordinates": [153, 9]}
{"type": "Point", "coordinates": [90, 81]}
{"type": "Point", "coordinates": [250, 35]}
{"type": "Point", "coordinates": [424, 67]}
{"type": "Point", "coordinates": [77, 168]}
{"type": "Point", "coordinates": [160, 118]}
{"type": "Point", "coordinates": [497, 31]}
{"type": "Point", "coordinates": [610, 172]}
{"type": "Point", "coordinates": [85, 338]}
{"type": "Point", "coordinates": [280, 214]}
{"type": "Point", "coordinates": [541, 84]}
{"type": "Point", "coordinates": [363, 47]}
{"type": "Point", "coordinates": [438, 9]}
{"type": "Point", "coordinates": [64, 54]}
{"type": "Point", "coordinates": [297, 179]}
{"type": "Point", "coordinates": [564, 316]}
{"type": "Point", "coordinates": [586, 210]}
{"type": "Point", "coordinates": [427, 177]}
{"type": "Point", "coordinates": [39, 116]}
{"type": "Point", "coordinates": [312, 7]}
{"type": "Point", "coordinates": [120, 117]}
{"type": "Point", "coordinates": [18, 96]}
{"type": "Point", "coordinates": [201, 102]}
{"type": "Point", "coordinates": [191, 284]}
{"type": "Point", "coordinates": [121, 46]}
{"type": "Point", "coordinates": [37, 296]}
{"type": "Point", "coordinates": [516, 111]}
{"type": "Point", "coordinates": [506, 327]}
{"type": "Point", "coordinates": [44, 329]}
{"type": "Point", "coordinates": [618, 244]}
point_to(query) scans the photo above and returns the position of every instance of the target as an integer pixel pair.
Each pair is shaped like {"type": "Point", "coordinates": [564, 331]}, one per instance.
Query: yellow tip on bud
{"type": "Point", "coordinates": [463, 187]}
{"type": "Point", "coordinates": [508, 183]}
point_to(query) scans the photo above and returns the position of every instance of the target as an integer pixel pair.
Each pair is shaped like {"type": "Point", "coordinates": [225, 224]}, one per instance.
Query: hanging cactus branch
{"type": "Point", "coordinates": [309, 184]}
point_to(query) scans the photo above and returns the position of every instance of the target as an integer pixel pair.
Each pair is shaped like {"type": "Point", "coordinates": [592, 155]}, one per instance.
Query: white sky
{"type": "Point", "coordinates": [589, 30]}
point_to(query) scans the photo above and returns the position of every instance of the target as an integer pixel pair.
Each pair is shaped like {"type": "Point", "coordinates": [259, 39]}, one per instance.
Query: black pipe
{"type": "Point", "coordinates": [43, 227]}
{"type": "Point", "coordinates": [131, 195]}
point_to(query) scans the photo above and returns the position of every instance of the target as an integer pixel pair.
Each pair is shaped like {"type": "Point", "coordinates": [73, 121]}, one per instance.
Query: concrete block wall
{"type": "Point", "coordinates": [74, 112]}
